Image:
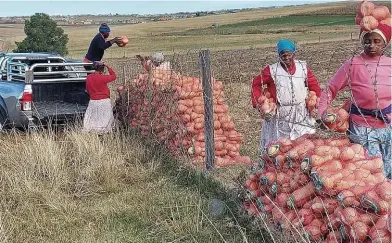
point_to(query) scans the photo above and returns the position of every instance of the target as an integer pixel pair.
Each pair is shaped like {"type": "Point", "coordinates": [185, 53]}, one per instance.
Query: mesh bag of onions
{"type": "Point", "coordinates": [321, 189]}
{"type": "Point", "coordinates": [170, 107]}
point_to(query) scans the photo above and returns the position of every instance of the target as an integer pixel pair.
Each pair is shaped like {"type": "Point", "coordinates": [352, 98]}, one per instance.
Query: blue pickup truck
{"type": "Point", "coordinates": [40, 88]}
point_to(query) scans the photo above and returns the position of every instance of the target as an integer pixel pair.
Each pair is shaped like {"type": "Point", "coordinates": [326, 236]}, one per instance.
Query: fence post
{"type": "Point", "coordinates": [29, 76]}
{"type": "Point", "coordinates": [351, 35]}
{"type": "Point", "coordinates": [205, 62]}
{"type": "Point", "coordinates": [149, 97]}
{"type": "Point", "coordinates": [123, 73]}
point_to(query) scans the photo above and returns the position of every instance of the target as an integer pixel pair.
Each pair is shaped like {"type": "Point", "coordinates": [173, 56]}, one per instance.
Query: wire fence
{"type": "Point", "coordinates": [236, 69]}
{"type": "Point", "coordinates": [317, 187]}
{"type": "Point", "coordinates": [215, 43]}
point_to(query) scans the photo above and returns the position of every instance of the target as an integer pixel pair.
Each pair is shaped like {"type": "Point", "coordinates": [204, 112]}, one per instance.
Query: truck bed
{"type": "Point", "coordinates": [59, 101]}
{"type": "Point", "coordinates": [40, 87]}
{"type": "Point", "coordinates": [58, 110]}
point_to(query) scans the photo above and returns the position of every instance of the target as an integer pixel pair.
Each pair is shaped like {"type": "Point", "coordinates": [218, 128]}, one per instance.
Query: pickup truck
{"type": "Point", "coordinates": [41, 88]}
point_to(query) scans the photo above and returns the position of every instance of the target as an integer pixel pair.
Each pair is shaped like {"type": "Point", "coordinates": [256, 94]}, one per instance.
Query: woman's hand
{"type": "Point", "coordinates": [107, 66]}
{"type": "Point", "coordinates": [312, 102]}
{"type": "Point", "coordinates": [265, 115]}
{"type": "Point", "coordinates": [116, 40]}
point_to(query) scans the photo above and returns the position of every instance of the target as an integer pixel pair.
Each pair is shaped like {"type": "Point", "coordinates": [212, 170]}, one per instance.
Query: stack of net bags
{"type": "Point", "coordinates": [170, 107]}
{"type": "Point", "coordinates": [370, 15]}
{"type": "Point", "coordinates": [322, 190]}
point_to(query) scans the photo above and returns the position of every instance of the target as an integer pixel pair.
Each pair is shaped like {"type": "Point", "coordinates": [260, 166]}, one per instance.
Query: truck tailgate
{"type": "Point", "coordinates": [59, 100]}
{"type": "Point", "coordinates": [58, 110]}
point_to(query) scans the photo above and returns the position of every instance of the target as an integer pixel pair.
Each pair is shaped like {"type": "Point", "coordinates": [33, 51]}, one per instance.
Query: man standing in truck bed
{"type": "Point", "coordinates": [99, 44]}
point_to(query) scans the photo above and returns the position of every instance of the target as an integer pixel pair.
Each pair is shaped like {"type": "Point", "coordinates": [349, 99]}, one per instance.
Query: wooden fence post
{"type": "Point", "coordinates": [149, 97]}
{"type": "Point", "coordinates": [205, 62]}
{"type": "Point", "coordinates": [123, 73]}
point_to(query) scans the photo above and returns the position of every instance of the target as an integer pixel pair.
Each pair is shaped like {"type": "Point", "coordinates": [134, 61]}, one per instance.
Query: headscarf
{"type": "Point", "coordinates": [285, 45]}
{"type": "Point", "coordinates": [99, 66]}
{"type": "Point", "coordinates": [104, 28]}
{"type": "Point", "coordinates": [382, 29]}
{"type": "Point", "coordinates": [158, 57]}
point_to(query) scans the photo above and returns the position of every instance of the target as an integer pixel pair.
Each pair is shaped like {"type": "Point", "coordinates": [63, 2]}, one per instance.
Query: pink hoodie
{"type": "Point", "coordinates": [358, 75]}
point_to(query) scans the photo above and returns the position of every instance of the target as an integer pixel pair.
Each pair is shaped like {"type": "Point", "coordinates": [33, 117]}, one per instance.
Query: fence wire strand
{"type": "Point", "coordinates": [276, 181]}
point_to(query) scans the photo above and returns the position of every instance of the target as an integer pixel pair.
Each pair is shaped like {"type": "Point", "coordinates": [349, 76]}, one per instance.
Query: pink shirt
{"type": "Point", "coordinates": [358, 75]}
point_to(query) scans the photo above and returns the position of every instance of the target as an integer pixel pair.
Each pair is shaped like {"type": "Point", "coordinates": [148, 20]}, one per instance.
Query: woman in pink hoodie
{"type": "Point", "coordinates": [368, 77]}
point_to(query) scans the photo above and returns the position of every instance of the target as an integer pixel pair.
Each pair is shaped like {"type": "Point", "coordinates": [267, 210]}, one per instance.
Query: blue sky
{"type": "Point", "coordinates": [53, 7]}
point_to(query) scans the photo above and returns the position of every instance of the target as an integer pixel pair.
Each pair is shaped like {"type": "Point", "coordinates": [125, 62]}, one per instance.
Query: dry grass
{"type": "Point", "coordinates": [145, 38]}
{"type": "Point", "coordinates": [75, 187]}
{"type": "Point", "coordinates": [142, 43]}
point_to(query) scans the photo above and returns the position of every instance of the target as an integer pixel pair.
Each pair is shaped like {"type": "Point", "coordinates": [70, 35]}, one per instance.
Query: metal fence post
{"type": "Point", "coordinates": [205, 62]}
{"type": "Point", "coordinates": [29, 76]}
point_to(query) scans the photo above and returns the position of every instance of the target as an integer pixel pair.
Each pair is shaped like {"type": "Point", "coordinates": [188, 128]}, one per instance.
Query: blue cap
{"type": "Point", "coordinates": [104, 28]}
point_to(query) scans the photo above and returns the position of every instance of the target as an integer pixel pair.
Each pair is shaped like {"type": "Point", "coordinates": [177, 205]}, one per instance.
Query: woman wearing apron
{"type": "Point", "coordinates": [289, 82]}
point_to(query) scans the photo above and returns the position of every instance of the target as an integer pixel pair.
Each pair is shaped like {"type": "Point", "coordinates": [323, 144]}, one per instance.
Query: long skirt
{"type": "Point", "coordinates": [99, 117]}
{"type": "Point", "coordinates": [377, 141]}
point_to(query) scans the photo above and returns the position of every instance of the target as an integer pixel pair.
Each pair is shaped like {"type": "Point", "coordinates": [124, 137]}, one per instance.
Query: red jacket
{"type": "Point", "coordinates": [265, 75]}
{"type": "Point", "coordinates": [96, 84]}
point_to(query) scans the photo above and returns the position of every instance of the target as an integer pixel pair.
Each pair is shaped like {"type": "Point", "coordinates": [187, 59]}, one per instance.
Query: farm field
{"type": "Point", "coordinates": [244, 30]}
{"type": "Point", "coordinates": [76, 187]}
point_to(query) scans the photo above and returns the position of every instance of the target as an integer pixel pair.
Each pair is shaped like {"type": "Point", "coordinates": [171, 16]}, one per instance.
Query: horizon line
{"type": "Point", "coordinates": [311, 2]}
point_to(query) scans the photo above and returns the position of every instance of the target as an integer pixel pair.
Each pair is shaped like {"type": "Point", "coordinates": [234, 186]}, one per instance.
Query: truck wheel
{"type": "Point", "coordinates": [2, 121]}
{"type": "Point", "coordinates": [3, 118]}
